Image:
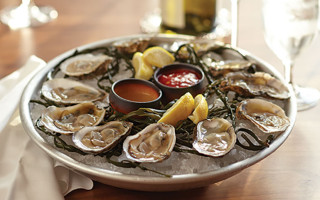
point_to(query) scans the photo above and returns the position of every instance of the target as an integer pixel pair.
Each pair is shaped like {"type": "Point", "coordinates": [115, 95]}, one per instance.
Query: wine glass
{"type": "Point", "coordinates": [289, 27]}
{"type": "Point", "coordinates": [27, 14]}
{"type": "Point", "coordinates": [235, 22]}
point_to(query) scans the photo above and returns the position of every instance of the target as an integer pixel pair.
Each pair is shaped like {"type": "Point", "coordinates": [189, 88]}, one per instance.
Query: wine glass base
{"type": "Point", "coordinates": [306, 97]}
{"type": "Point", "coordinates": [27, 16]}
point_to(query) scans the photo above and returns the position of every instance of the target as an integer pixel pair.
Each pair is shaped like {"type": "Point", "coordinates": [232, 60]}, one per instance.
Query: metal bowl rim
{"type": "Point", "coordinates": [111, 175]}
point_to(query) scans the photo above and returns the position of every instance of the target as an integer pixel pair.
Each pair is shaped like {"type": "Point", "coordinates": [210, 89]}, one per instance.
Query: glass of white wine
{"type": "Point", "coordinates": [27, 14]}
{"type": "Point", "coordinates": [290, 26]}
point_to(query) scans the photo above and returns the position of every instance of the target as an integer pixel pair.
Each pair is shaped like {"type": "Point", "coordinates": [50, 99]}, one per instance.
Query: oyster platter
{"type": "Point", "coordinates": [158, 113]}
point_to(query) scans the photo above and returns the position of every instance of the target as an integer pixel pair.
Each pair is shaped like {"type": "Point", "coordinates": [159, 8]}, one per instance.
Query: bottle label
{"type": "Point", "coordinates": [172, 13]}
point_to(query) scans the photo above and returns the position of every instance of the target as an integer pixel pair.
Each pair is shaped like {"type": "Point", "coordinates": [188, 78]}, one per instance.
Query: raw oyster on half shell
{"type": "Point", "coordinates": [257, 84]}
{"type": "Point", "coordinates": [214, 137]}
{"type": "Point", "coordinates": [153, 144]}
{"type": "Point", "coordinates": [67, 120]}
{"type": "Point", "coordinates": [132, 46]}
{"type": "Point", "coordinates": [223, 67]}
{"type": "Point", "coordinates": [267, 116]}
{"type": "Point", "coordinates": [85, 64]}
{"type": "Point", "coordinates": [101, 138]}
{"type": "Point", "coordinates": [68, 91]}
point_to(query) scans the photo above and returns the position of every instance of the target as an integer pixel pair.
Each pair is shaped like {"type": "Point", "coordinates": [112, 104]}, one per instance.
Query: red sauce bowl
{"type": "Point", "coordinates": [131, 94]}
{"type": "Point", "coordinates": [167, 79]}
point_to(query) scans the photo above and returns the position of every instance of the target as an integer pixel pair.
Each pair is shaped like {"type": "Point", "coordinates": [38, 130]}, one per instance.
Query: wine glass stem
{"type": "Point", "coordinates": [288, 71]}
{"type": "Point", "coordinates": [27, 3]}
{"type": "Point", "coordinates": [235, 21]}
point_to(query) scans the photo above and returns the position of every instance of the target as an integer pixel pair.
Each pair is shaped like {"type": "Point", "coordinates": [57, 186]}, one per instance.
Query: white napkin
{"type": "Point", "coordinates": [27, 172]}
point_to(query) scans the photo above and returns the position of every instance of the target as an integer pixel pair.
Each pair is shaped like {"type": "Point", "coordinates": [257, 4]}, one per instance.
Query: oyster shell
{"type": "Point", "coordinates": [257, 84]}
{"type": "Point", "coordinates": [67, 120]}
{"type": "Point", "coordinates": [153, 144]}
{"type": "Point", "coordinates": [68, 91]}
{"type": "Point", "coordinates": [132, 46]}
{"type": "Point", "coordinates": [85, 64]}
{"type": "Point", "coordinates": [101, 138]}
{"type": "Point", "coordinates": [267, 116]}
{"type": "Point", "coordinates": [214, 137]}
{"type": "Point", "coordinates": [200, 48]}
{"type": "Point", "coordinates": [223, 67]}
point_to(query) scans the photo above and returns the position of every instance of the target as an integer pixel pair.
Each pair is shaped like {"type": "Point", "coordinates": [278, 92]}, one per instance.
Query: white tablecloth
{"type": "Point", "coordinates": [26, 172]}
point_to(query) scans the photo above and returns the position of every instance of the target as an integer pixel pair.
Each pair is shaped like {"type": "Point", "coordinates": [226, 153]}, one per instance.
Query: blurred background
{"type": "Point", "coordinates": [81, 22]}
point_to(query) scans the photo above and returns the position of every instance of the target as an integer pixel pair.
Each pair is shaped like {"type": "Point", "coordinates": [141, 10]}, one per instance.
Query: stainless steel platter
{"type": "Point", "coordinates": [144, 182]}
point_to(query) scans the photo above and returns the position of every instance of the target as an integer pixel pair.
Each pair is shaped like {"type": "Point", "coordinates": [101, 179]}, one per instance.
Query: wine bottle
{"type": "Point", "coordinates": [193, 17]}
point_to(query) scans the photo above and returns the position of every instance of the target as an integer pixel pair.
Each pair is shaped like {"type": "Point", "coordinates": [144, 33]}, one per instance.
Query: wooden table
{"type": "Point", "coordinates": [292, 172]}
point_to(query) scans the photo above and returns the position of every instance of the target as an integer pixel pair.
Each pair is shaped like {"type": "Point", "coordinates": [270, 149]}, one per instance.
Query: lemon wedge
{"type": "Point", "coordinates": [179, 110]}
{"type": "Point", "coordinates": [142, 70]}
{"type": "Point", "coordinates": [157, 56]}
{"type": "Point", "coordinates": [200, 111]}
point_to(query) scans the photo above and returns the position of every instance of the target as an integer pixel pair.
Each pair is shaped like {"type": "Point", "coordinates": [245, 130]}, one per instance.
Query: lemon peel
{"type": "Point", "coordinates": [142, 69]}
{"type": "Point", "coordinates": [157, 56]}
{"type": "Point", "coordinates": [179, 110]}
{"type": "Point", "coordinates": [200, 111]}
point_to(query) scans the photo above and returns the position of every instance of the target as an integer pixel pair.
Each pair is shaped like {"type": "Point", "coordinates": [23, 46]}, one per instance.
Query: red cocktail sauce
{"type": "Point", "coordinates": [136, 92]}
{"type": "Point", "coordinates": [179, 78]}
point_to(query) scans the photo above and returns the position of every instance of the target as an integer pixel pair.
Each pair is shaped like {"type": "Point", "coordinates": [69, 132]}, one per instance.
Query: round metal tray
{"type": "Point", "coordinates": [138, 182]}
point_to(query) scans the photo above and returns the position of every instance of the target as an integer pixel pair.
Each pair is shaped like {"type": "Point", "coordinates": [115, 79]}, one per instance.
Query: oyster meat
{"type": "Point", "coordinates": [223, 67]}
{"type": "Point", "coordinates": [153, 144]}
{"type": "Point", "coordinates": [200, 46]}
{"type": "Point", "coordinates": [66, 91]}
{"type": "Point", "coordinates": [132, 46]}
{"type": "Point", "coordinates": [257, 84]}
{"type": "Point", "coordinates": [67, 120]}
{"type": "Point", "coordinates": [267, 116]}
{"type": "Point", "coordinates": [101, 138]}
{"type": "Point", "coordinates": [214, 137]}
{"type": "Point", "coordinates": [85, 64]}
